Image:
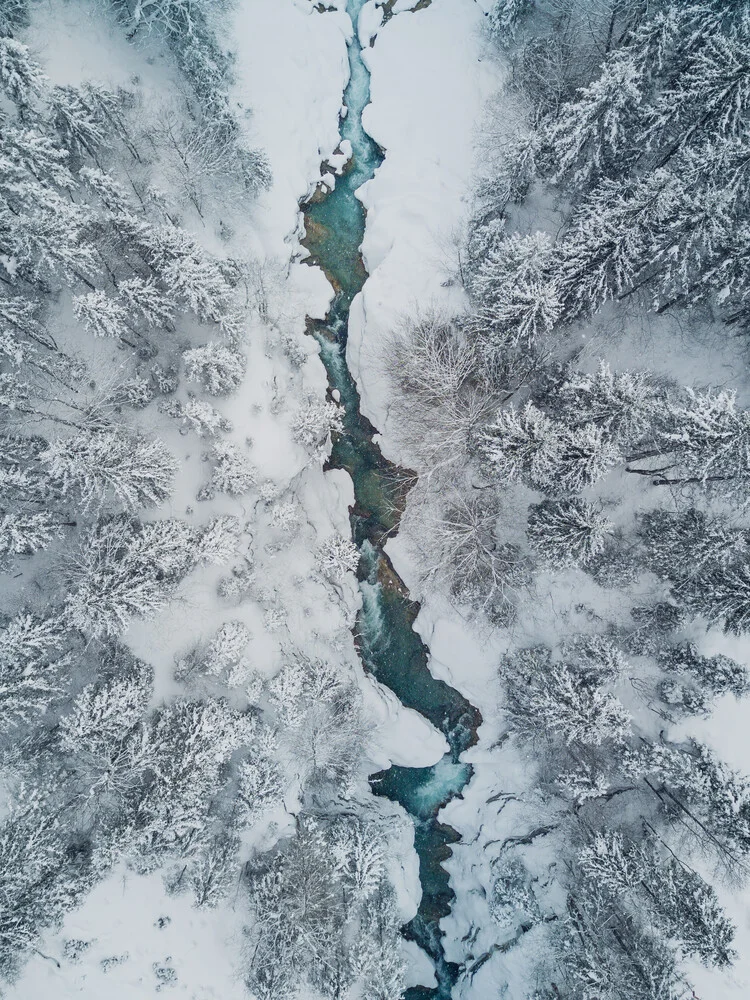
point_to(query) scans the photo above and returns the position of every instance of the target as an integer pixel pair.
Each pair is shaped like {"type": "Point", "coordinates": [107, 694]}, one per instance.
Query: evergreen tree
{"type": "Point", "coordinates": [20, 77]}
{"type": "Point", "coordinates": [568, 531]}
{"type": "Point", "coordinates": [111, 466]}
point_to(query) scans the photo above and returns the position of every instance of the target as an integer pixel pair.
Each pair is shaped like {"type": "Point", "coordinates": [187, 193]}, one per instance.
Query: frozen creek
{"type": "Point", "coordinates": [387, 642]}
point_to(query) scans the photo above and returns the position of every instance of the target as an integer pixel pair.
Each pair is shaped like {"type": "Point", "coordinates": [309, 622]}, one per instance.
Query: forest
{"type": "Point", "coordinates": [186, 706]}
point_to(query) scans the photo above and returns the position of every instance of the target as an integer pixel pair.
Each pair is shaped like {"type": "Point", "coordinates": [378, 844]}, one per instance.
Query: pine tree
{"type": "Point", "coordinates": [683, 906]}
{"type": "Point", "coordinates": [521, 444]}
{"type": "Point", "coordinates": [568, 531]}
{"type": "Point", "coordinates": [514, 293]}
{"type": "Point", "coordinates": [21, 78]}
{"type": "Point", "coordinates": [503, 19]}
{"type": "Point", "coordinates": [111, 466]}
{"type": "Point", "coordinates": [102, 315]}
{"type": "Point", "coordinates": [678, 546]}
{"type": "Point", "coordinates": [708, 439]}
{"type": "Point", "coordinates": [722, 594]}
{"type": "Point", "coordinates": [563, 701]}
{"type": "Point", "coordinates": [625, 404]}
{"type": "Point", "coordinates": [148, 300]}
{"type": "Point", "coordinates": [41, 877]}
{"type": "Point", "coordinates": [84, 117]}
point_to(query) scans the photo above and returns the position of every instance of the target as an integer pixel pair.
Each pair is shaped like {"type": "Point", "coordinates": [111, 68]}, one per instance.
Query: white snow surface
{"type": "Point", "coordinates": [431, 75]}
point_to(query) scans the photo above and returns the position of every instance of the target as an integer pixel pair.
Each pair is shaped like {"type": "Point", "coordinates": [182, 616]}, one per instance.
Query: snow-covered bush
{"type": "Point", "coordinates": [232, 472]}
{"type": "Point", "coordinates": [227, 647]}
{"type": "Point", "coordinates": [199, 416]}
{"type": "Point", "coordinates": [285, 516]}
{"type": "Point", "coordinates": [220, 370]}
{"type": "Point", "coordinates": [274, 619]}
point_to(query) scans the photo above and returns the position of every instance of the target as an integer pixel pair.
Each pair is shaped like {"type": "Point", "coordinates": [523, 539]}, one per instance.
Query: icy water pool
{"type": "Point", "coordinates": [388, 644]}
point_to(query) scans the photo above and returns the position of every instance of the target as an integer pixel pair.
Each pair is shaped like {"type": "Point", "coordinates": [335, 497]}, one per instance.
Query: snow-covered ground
{"type": "Point", "coordinates": [431, 75]}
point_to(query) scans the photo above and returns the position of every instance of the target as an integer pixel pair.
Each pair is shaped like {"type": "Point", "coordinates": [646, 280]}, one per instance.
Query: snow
{"type": "Point", "coordinates": [121, 920]}
{"type": "Point", "coordinates": [430, 78]}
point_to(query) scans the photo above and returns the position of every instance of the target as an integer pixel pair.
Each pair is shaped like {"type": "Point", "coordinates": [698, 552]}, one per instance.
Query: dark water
{"type": "Point", "coordinates": [388, 644]}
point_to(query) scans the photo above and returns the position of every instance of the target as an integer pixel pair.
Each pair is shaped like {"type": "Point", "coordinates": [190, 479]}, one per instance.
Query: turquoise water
{"type": "Point", "coordinates": [389, 646]}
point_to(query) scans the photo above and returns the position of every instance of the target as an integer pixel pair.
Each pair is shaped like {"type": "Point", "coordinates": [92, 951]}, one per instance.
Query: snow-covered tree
{"type": "Point", "coordinates": [521, 443]}
{"type": "Point", "coordinates": [717, 675]}
{"type": "Point", "coordinates": [683, 906]}
{"type": "Point", "coordinates": [197, 282]}
{"type": "Point", "coordinates": [625, 404]}
{"type": "Point", "coordinates": [503, 19]}
{"type": "Point", "coordinates": [678, 546]}
{"type": "Point", "coordinates": [285, 516]}
{"type": "Point", "coordinates": [567, 532]}
{"type": "Point", "coordinates": [110, 466]}
{"type": "Point", "coordinates": [219, 541]}
{"type": "Point", "coordinates": [145, 298]}
{"type": "Point", "coordinates": [314, 422]}
{"type": "Point", "coordinates": [215, 871]}
{"type": "Point", "coordinates": [358, 850]}
{"type": "Point", "coordinates": [526, 444]}
{"type": "Point", "coordinates": [128, 569]}
{"type": "Point", "coordinates": [106, 737]}
{"type": "Point", "coordinates": [232, 472]}
{"type": "Point", "coordinates": [260, 784]}
{"type": "Point", "coordinates": [560, 699]}
{"type": "Point", "coordinates": [192, 743]}
{"type": "Point", "coordinates": [218, 369]}
{"type": "Point", "coordinates": [21, 78]}
{"type": "Point", "coordinates": [336, 557]}
{"type": "Point", "coordinates": [33, 662]}
{"type": "Point", "coordinates": [26, 533]}
{"type": "Point", "coordinates": [102, 315]}
{"type": "Point", "coordinates": [696, 787]}
{"type": "Point", "coordinates": [514, 293]}
{"type": "Point", "coordinates": [722, 594]}
{"type": "Point", "coordinates": [42, 876]}
{"type": "Point", "coordinates": [86, 117]}
{"type": "Point", "coordinates": [707, 439]}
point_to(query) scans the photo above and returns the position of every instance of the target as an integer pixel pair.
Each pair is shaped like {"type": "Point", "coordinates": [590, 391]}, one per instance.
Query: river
{"type": "Point", "coordinates": [390, 648]}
